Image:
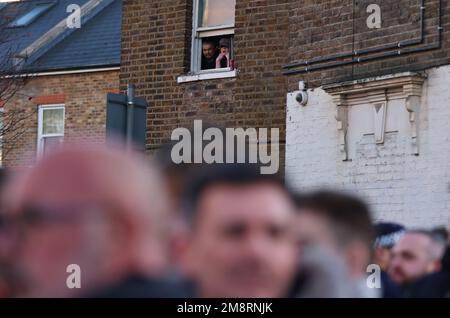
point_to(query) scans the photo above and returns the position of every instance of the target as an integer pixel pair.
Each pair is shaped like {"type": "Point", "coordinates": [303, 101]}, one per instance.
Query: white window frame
{"type": "Point", "coordinates": [198, 33]}
{"type": "Point", "coordinates": [41, 135]}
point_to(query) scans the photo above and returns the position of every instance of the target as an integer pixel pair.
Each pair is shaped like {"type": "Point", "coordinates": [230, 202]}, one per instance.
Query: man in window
{"type": "Point", "coordinates": [223, 60]}
{"type": "Point", "coordinates": [209, 55]}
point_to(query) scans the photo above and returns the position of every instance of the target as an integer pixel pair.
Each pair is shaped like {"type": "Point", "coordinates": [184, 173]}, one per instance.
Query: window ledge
{"type": "Point", "coordinates": [205, 76]}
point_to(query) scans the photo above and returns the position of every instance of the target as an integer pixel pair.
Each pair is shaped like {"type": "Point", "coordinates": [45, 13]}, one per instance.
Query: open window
{"type": "Point", "coordinates": [50, 128]}
{"type": "Point", "coordinates": [213, 36]}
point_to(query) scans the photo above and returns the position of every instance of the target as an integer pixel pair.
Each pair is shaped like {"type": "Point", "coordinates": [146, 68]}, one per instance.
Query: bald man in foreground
{"type": "Point", "coordinates": [100, 211]}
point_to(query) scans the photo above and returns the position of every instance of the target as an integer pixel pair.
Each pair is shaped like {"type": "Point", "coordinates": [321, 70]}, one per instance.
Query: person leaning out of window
{"type": "Point", "coordinates": [224, 60]}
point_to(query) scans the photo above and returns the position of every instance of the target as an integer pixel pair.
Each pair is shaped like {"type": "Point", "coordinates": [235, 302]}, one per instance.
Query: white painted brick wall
{"type": "Point", "coordinates": [401, 187]}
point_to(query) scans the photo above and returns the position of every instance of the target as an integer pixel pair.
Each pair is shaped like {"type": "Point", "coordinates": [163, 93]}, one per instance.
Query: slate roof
{"type": "Point", "coordinates": [96, 44]}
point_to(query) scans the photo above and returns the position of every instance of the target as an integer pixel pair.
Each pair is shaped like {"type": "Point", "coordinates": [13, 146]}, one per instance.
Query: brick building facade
{"type": "Point", "coordinates": [377, 118]}
{"type": "Point", "coordinates": [376, 72]}
{"type": "Point", "coordinates": [68, 70]}
{"type": "Point", "coordinates": [156, 55]}
{"type": "Point", "coordinates": [84, 98]}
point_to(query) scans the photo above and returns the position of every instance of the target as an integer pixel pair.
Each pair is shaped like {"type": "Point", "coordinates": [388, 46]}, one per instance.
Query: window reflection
{"type": "Point", "coordinates": [216, 12]}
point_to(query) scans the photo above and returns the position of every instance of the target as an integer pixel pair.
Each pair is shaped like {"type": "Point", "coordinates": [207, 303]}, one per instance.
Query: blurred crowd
{"type": "Point", "coordinates": [138, 228]}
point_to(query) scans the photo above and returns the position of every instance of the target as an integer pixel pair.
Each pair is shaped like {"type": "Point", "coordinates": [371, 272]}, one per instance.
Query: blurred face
{"type": "Point", "coordinates": [411, 259]}
{"type": "Point", "coordinates": [224, 50]}
{"type": "Point", "coordinates": [51, 239]}
{"type": "Point", "coordinates": [382, 257]}
{"type": "Point", "coordinates": [92, 207]}
{"type": "Point", "coordinates": [242, 245]}
{"type": "Point", "coordinates": [208, 51]}
{"type": "Point", "coordinates": [312, 229]}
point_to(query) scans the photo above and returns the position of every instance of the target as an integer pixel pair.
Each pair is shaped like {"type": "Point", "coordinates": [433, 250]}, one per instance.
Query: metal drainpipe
{"type": "Point", "coordinates": [400, 44]}
{"type": "Point", "coordinates": [130, 115]}
{"type": "Point", "coordinates": [373, 50]}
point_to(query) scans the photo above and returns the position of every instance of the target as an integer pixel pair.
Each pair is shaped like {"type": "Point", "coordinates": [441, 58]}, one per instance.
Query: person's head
{"type": "Point", "coordinates": [100, 209]}
{"type": "Point", "coordinates": [387, 235]}
{"type": "Point", "coordinates": [338, 222]}
{"type": "Point", "coordinates": [224, 45]}
{"type": "Point", "coordinates": [416, 254]}
{"type": "Point", "coordinates": [240, 241]}
{"type": "Point", "coordinates": [209, 50]}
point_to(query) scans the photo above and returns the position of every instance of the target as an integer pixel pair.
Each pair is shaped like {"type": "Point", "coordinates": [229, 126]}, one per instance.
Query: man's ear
{"type": "Point", "coordinates": [183, 254]}
{"type": "Point", "coordinates": [435, 266]}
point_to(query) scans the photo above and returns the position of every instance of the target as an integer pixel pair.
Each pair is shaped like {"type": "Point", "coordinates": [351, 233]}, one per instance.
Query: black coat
{"type": "Point", "coordinates": [142, 287]}
{"type": "Point", "coordinates": [390, 288]}
{"type": "Point", "coordinates": [433, 286]}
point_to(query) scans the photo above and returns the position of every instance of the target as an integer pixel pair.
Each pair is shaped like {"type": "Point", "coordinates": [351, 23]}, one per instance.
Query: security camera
{"type": "Point", "coordinates": [302, 96]}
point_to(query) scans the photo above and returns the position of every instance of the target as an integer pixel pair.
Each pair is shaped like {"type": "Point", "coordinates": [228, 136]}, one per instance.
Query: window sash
{"type": "Point", "coordinates": [49, 143]}
{"type": "Point", "coordinates": [52, 121]}
{"type": "Point", "coordinates": [52, 135]}
{"type": "Point", "coordinates": [214, 32]}
{"type": "Point", "coordinates": [202, 29]}
{"type": "Point", "coordinates": [41, 136]}
{"type": "Point", "coordinates": [214, 10]}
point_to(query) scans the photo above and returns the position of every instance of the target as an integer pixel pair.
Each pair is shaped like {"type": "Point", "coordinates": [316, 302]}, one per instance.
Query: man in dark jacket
{"type": "Point", "coordinates": [209, 55]}
{"type": "Point", "coordinates": [433, 286]}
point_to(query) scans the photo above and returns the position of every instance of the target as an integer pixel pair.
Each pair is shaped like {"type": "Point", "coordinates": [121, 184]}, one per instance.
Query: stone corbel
{"type": "Point", "coordinates": [413, 93]}
{"type": "Point", "coordinates": [413, 107]}
{"type": "Point", "coordinates": [342, 119]}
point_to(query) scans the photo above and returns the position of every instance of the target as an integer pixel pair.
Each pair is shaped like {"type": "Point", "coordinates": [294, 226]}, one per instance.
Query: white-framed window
{"type": "Point", "coordinates": [213, 36]}
{"type": "Point", "coordinates": [50, 128]}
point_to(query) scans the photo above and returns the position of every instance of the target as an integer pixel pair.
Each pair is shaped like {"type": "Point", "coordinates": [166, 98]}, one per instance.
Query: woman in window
{"type": "Point", "coordinates": [223, 60]}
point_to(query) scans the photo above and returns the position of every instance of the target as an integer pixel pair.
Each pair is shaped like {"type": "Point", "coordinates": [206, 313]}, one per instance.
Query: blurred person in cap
{"type": "Point", "coordinates": [388, 234]}
{"type": "Point", "coordinates": [223, 60]}
{"type": "Point", "coordinates": [100, 209]}
{"type": "Point", "coordinates": [239, 242]}
{"type": "Point", "coordinates": [418, 253]}
{"type": "Point", "coordinates": [341, 225]}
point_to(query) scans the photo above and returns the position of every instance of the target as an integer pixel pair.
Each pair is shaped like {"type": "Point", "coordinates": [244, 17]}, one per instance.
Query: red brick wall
{"type": "Point", "coordinates": [84, 96]}
{"type": "Point", "coordinates": [156, 50]}
{"type": "Point", "coordinates": [323, 27]}
{"type": "Point", "coordinates": [268, 35]}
